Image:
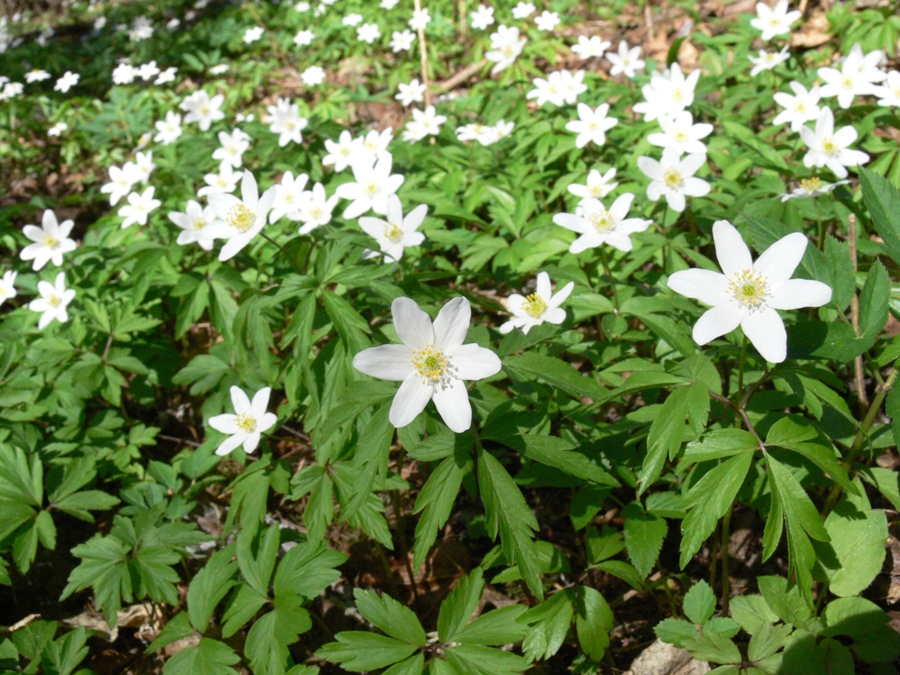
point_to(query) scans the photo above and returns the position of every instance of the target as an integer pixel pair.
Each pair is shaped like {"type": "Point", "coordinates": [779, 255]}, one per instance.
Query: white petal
{"type": "Point", "coordinates": [452, 402]}
{"type": "Point", "coordinates": [452, 323]}
{"type": "Point", "coordinates": [410, 400]}
{"type": "Point", "coordinates": [706, 286]}
{"type": "Point", "coordinates": [473, 362]}
{"type": "Point", "coordinates": [733, 254]}
{"type": "Point", "coordinates": [260, 402]}
{"type": "Point", "coordinates": [797, 293]}
{"type": "Point", "coordinates": [412, 324]}
{"type": "Point", "coordinates": [765, 330]}
{"type": "Point", "coordinates": [251, 442]}
{"type": "Point", "coordinates": [240, 401]}
{"type": "Point", "coordinates": [544, 288]}
{"type": "Point", "coordinates": [389, 362]}
{"type": "Point", "coordinates": [556, 315]}
{"type": "Point", "coordinates": [230, 444]}
{"type": "Point", "coordinates": [561, 295]}
{"type": "Point", "coordinates": [266, 421]}
{"type": "Point", "coordinates": [778, 262]}
{"type": "Point", "coordinates": [716, 322]}
{"type": "Point", "coordinates": [224, 423]}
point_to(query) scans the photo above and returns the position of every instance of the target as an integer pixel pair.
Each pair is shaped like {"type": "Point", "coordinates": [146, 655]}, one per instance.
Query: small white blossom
{"type": "Point", "coordinates": [536, 308]}
{"type": "Point", "coordinates": [54, 299]}
{"type": "Point", "coordinates": [245, 426]}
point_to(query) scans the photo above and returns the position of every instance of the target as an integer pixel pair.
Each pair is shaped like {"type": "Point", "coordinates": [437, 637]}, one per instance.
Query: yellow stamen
{"type": "Point", "coordinates": [50, 241]}
{"type": "Point", "coordinates": [245, 422]}
{"type": "Point", "coordinates": [534, 305]}
{"type": "Point", "coordinates": [431, 364]}
{"type": "Point", "coordinates": [240, 217]}
{"type": "Point", "coordinates": [749, 289]}
{"type": "Point", "coordinates": [672, 178]}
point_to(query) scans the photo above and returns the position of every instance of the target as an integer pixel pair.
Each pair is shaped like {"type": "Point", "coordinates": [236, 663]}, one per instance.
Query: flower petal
{"type": "Point", "coordinates": [224, 423]}
{"type": "Point", "coordinates": [240, 401]}
{"type": "Point", "coordinates": [229, 444]}
{"type": "Point", "coordinates": [412, 324]}
{"type": "Point", "coordinates": [389, 362]}
{"type": "Point", "coordinates": [716, 322]}
{"type": "Point", "coordinates": [473, 362]}
{"type": "Point", "coordinates": [452, 323]}
{"type": "Point", "coordinates": [765, 330]}
{"type": "Point", "coordinates": [452, 402]}
{"type": "Point", "coordinates": [266, 421]}
{"type": "Point", "coordinates": [251, 442]}
{"type": "Point", "coordinates": [797, 293]}
{"type": "Point", "coordinates": [778, 262]}
{"type": "Point", "coordinates": [731, 251]}
{"type": "Point", "coordinates": [260, 402]}
{"type": "Point", "coordinates": [708, 287]}
{"type": "Point", "coordinates": [410, 400]}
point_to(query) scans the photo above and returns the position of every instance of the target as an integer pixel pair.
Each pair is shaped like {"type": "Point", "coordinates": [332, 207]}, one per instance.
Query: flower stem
{"type": "Point", "coordinates": [740, 392]}
{"type": "Point", "coordinates": [612, 282]}
{"type": "Point", "coordinates": [283, 250]}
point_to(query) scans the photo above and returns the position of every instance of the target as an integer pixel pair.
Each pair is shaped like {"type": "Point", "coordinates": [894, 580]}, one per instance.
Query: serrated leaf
{"type": "Point", "coordinates": [593, 622]}
{"type": "Point", "coordinates": [530, 366]}
{"type": "Point", "coordinates": [209, 586]}
{"type": "Point", "coordinates": [390, 616]}
{"type": "Point", "coordinates": [209, 657]}
{"type": "Point", "coordinates": [800, 435]}
{"type": "Point", "coordinates": [269, 638]}
{"type": "Point", "coordinates": [358, 651]}
{"type": "Point", "coordinates": [709, 499]}
{"type": "Point", "coordinates": [882, 199]}
{"type": "Point", "coordinates": [459, 605]}
{"type": "Point", "coordinates": [720, 443]}
{"type": "Point", "coordinates": [667, 432]}
{"type": "Point", "coordinates": [675, 631]}
{"type": "Point", "coordinates": [484, 660]}
{"type": "Point", "coordinates": [785, 600]}
{"type": "Point", "coordinates": [873, 301]}
{"type": "Point", "coordinates": [700, 603]}
{"type": "Point", "coordinates": [854, 556]}
{"type": "Point", "coordinates": [176, 628]}
{"type": "Point", "coordinates": [843, 278]}
{"type": "Point", "coordinates": [559, 453]}
{"type": "Point", "coordinates": [549, 622]}
{"type": "Point", "coordinates": [751, 612]}
{"type": "Point", "coordinates": [435, 502]}
{"type": "Point", "coordinates": [644, 536]}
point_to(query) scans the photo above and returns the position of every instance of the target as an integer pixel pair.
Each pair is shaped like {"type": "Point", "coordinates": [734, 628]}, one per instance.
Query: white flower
{"type": "Point", "coordinates": [414, 92]}
{"type": "Point", "coordinates": [124, 73]}
{"type": "Point", "coordinates": [800, 108]}
{"type": "Point", "coordinates": [219, 69]}
{"type": "Point", "coordinates": [166, 76]}
{"type": "Point", "coordinates": [673, 177]}
{"type": "Point", "coordinates": [502, 129]}
{"type": "Point", "coordinates": [138, 208]}
{"type": "Point", "coordinates": [420, 19]}
{"type": "Point", "coordinates": [53, 301]}
{"type": "Point", "coordinates": [302, 6]}
{"type": "Point", "coordinates": [538, 307]}
{"type": "Point", "coordinates": [344, 151]}
{"type": "Point", "coordinates": [431, 363]}
{"type": "Point", "coordinates": [598, 186]}
{"type": "Point", "coordinates": [858, 76]}
{"type": "Point", "coordinates": [591, 125]}
{"type": "Point", "coordinates": [523, 10]}
{"type": "Point", "coordinates": [830, 148]}
{"type": "Point", "coordinates": [57, 129]}
{"type": "Point", "coordinates": [626, 60]}
{"type": "Point", "coordinates": [550, 90]}
{"type": "Point", "coordinates": [289, 196]}
{"type": "Point", "coordinates": [285, 120]}
{"type": "Point", "coordinates": [592, 47]}
{"type": "Point", "coordinates": [483, 133]}
{"type": "Point", "coordinates": [810, 187]}
{"type": "Point", "coordinates": [121, 181]}
{"type": "Point", "coordinates": [368, 33]}
{"type": "Point", "coordinates": [775, 21]}
{"type": "Point", "coordinates": [316, 209]}
{"type": "Point", "coordinates": [889, 93]}
{"type": "Point", "coordinates": [681, 133]}
{"type": "Point", "coordinates": [169, 129]}
{"type": "Point", "coordinates": [36, 75]}
{"type": "Point", "coordinates": [148, 71]}
{"type": "Point", "coordinates": [7, 286]}
{"type": "Point", "coordinates": [304, 38]}
{"type": "Point", "coordinates": [506, 45]}
{"type": "Point", "coordinates": [352, 19]}
{"type": "Point", "coordinates": [598, 225]}
{"type": "Point", "coordinates": [374, 184]}
{"type": "Point", "coordinates": [424, 123]}
{"type": "Point", "coordinates": [253, 34]}
{"type": "Point", "coordinates": [768, 60]}
{"type": "Point", "coordinates": [51, 241]}
{"type": "Point", "coordinates": [394, 233]}
{"type": "Point", "coordinates": [225, 181]}
{"type": "Point", "coordinates": [667, 94]}
{"type": "Point", "coordinates": [482, 17]}
{"type": "Point", "coordinates": [141, 29]}
{"type": "Point", "coordinates": [389, 4]}
{"type": "Point", "coordinates": [243, 217]}
{"type": "Point", "coordinates": [402, 41]}
{"type": "Point", "coordinates": [246, 425]}
{"type": "Point", "coordinates": [312, 76]}
{"type": "Point", "coordinates": [547, 20]}
{"type": "Point", "coordinates": [202, 109]}
{"type": "Point", "coordinates": [233, 147]}
{"type": "Point", "coordinates": [67, 81]}
{"type": "Point", "coordinates": [197, 225]}
{"type": "Point", "coordinates": [748, 293]}
{"type": "Point", "coordinates": [376, 143]}
{"type": "Point", "coordinates": [144, 163]}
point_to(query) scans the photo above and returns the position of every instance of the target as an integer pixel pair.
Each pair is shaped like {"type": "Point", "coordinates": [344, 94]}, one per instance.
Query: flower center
{"type": "Point", "coordinates": [749, 289]}
{"type": "Point", "coordinates": [393, 233]}
{"type": "Point", "coordinates": [240, 217]}
{"type": "Point", "coordinates": [431, 364]}
{"type": "Point", "coordinates": [198, 223]}
{"type": "Point", "coordinates": [245, 422]}
{"type": "Point", "coordinates": [371, 188]}
{"type": "Point", "coordinates": [810, 185]}
{"type": "Point", "coordinates": [53, 300]}
{"type": "Point", "coordinates": [681, 136]}
{"type": "Point", "coordinates": [672, 178]}
{"type": "Point", "coordinates": [847, 82]}
{"type": "Point", "coordinates": [602, 220]}
{"type": "Point", "coordinates": [677, 94]}
{"type": "Point", "coordinates": [534, 305]}
{"type": "Point", "coordinates": [50, 241]}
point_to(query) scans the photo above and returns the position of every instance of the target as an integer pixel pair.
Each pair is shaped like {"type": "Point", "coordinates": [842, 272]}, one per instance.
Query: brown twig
{"type": "Point", "coordinates": [854, 317]}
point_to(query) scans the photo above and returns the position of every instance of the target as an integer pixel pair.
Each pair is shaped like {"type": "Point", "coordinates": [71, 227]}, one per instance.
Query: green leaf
{"type": "Point", "coordinates": [62, 656]}
{"type": "Point", "coordinates": [459, 605]}
{"type": "Point", "coordinates": [349, 324]}
{"type": "Point", "coordinates": [103, 566]}
{"type": "Point", "coordinates": [549, 623]}
{"type": "Point", "coordinates": [559, 453]}
{"type": "Point", "coordinates": [507, 511]}
{"type": "Point", "coordinates": [414, 665]}
{"type": "Point", "coordinates": [390, 616]}
{"type": "Point", "coordinates": [559, 374]}
{"type": "Point", "coordinates": [874, 641]}
{"type": "Point", "coordinates": [176, 628]}
{"type": "Point", "coordinates": [358, 651]}
{"type": "Point", "coordinates": [713, 647]}
{"type": "Point", "coordinates": [709, 499]}
{"type": "Point", "coordinates": [751, 612]}
{"type": "Point", "coordinates": [593, 622]}
{"type": "Point", "coordinates": [874, 300]}
{"type": "Point", "coordinates": [720, 443]}
{"type": "Point", "coordinates": [209, 586]}
{"type": "Point", "coordinates": [269, 638]}
{"type": "Point", "coordinates": [307, 569]}
{"type": "Point", "coordinates": [667, 430]}
{"type": "Point", "coordinates": [767, 640]}
{"type": "Point", "coordinates": [435, 502]}
{"type": "Point", "coordinates": [209, 657]}
{"type": "Point", "coordinates": [786, 601]}
{"type": "Point", "coordinates": [497, 627]}
{"type": "Point", "coordinates": [843, 277]}
{"type": "Point", "coordinates": [882, 199]}
{"type": "Point", "coordinates": [675, 631]}
{"type": "Point", "coordinates": [484, 660]}
{"type": "Point", "coordinates": [700, 603]}
{"type": "Point", "coordinates": [800, 435]}
{"type": "Point", "coordinates": [644, 536]}
{"type": "Point", "coordinates": [854, 556]}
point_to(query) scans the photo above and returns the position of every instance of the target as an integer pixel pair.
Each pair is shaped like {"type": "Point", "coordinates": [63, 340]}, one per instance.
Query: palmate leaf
{"type": "Point", "coordinates": [882, 199]}
{"type": "Point", "coordinates": [854, 556]}
{"type": "Point", "coordinates": [644, 535]}
{"type": "Point", "coordinates": [507, 511]}
{"type": "Point", "coordinates": [484, 660]}
{"type": "Point", "coordinates": [209, 657]}
{"type": "Point", "coordinates": [459, 605]}
{"type": "Point", "coordinates": [593, 622]}
{"type": "Point", "coordinates": [209, 586]}
{"type": "Point", "coordinates": [389, 616]}
{"type": "Point", "coordinates": [358, 651]}
{"type": "Point", "coordinates": [548, 624]}
{"type": "Point", "coordinates": [435, 502]}
{"type": "Point", "coordinates": [269, 638]}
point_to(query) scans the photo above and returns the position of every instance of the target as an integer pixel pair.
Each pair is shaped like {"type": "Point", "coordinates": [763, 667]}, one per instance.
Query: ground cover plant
{"type": "Point", "coordinates": [449, 337]}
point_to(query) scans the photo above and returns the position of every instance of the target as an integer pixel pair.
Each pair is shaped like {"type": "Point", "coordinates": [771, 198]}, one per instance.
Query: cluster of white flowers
{"type": "Point", "coordinates": [125, 73]}
{"type": "Point", "coordinates": [286, 121]}
{"type": "Point", "coordinates": [561, 87]}
{"type": "Point", "coordinates": [486, 134]}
